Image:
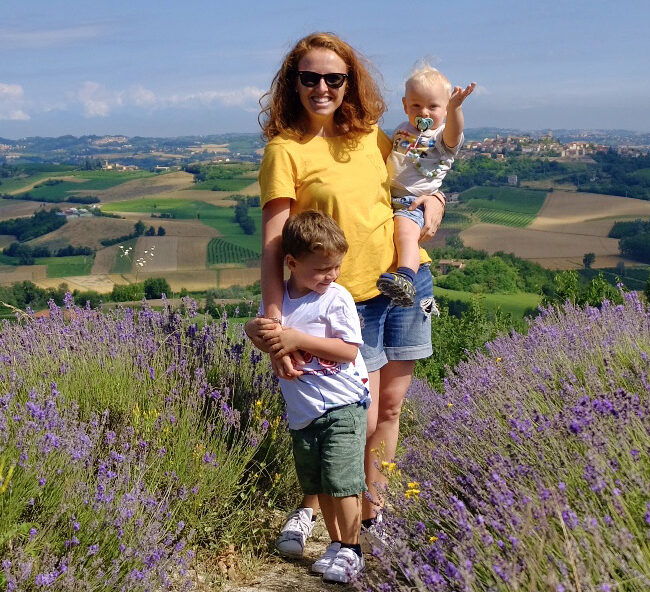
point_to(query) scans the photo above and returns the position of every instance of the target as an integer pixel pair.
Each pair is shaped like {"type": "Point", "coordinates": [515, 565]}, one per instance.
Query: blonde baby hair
{"type": "Point", "coordinates": [425, 73]}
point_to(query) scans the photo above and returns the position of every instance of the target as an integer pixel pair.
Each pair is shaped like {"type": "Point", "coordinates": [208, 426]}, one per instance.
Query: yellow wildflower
{"type": "Point", "coordinates": [433, 539]}
{"type": "Point", "coordinates": [391, 467]}
{"type": "Point", "coordinates": [413, 485]}
{"type": "Point", "coordinates": [4, 481]}
{"type": "Point", "coordinates": [498, 359]}
{"type": "Point", "coordinates": [450, 404]}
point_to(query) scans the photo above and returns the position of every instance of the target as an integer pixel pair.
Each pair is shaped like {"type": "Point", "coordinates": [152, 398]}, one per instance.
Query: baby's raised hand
{"type": "Point", "coordinates": [459, 95]}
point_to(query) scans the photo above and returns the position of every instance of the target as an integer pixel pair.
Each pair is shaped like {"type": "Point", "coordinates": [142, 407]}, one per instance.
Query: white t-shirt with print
{"type": "Point", "coordinates": [418, 169]}
{"type": "Point", "coordinates": [324, 384]}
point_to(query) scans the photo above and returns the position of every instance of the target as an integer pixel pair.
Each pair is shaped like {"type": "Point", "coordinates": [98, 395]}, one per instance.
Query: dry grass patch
{"type": "Point", "coordinates": [104, 260]}
{"type": "Point", "coordinates": [530, 243]}
{"type": "Point", "coordinates": [192, 253]}
{"type": "Point", "coordinates": [6, 240]}
{"type": "Point", "coordinates": [96, 283]}
{"type": "Point", "coordinates": [10, 208]}
{"type": "Point", "coordinates": [22, 273]}
{"type": "Point", "coordinates": [85, 232]}
{"type": "Point", "coordinates": [563, 208]}
{"type": "Point", "coordinates": [164, 249]}
{"type": "Point", "coordinates": [144, 187]}
{"type": "Point", "coordinates": [576, 262]}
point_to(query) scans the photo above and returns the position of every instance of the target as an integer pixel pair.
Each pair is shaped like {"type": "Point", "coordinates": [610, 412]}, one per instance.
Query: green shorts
{"type": "Point", "coordinates": [329, 452]}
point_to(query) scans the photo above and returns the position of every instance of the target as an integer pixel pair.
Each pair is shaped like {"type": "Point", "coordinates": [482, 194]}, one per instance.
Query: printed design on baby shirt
{"type": "Point", "coordinates": [417, 148]}
{"type": "Point", "coordinates": [320, 366]}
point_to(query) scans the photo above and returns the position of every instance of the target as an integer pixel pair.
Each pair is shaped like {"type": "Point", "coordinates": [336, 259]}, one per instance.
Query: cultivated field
{"type": "Point", "coordinates": [10, 208]}
{"type": "Point", "coordinates": [143, 187]}
{"type": "Point", "coordinates": [84, 232]}
{"type": "Point", "coordinates": [567, 226]}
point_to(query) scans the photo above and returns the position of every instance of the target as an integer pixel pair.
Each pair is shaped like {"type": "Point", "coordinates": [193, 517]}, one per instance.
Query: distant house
{"type": "Point", "coordinates": [513, 180]}
{"type": "Point", "coordinates": [446, 265]}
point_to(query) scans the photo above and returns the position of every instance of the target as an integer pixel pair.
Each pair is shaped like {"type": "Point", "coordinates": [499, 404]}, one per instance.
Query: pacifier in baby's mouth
{"type": "Point", "coordinates": [423, 123]}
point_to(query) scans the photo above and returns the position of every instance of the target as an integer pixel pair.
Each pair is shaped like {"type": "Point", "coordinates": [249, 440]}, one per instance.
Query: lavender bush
{"type": "Point", "coordinates": [120, 442]}
{"type": "Point", "coordinates": [531, 470]}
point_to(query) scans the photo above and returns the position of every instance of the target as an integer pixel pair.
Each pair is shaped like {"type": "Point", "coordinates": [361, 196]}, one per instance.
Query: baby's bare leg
{"type": "Point", "coordinates": [406, 237]}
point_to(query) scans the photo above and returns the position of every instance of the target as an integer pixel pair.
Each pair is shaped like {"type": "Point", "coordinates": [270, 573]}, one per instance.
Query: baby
{"type": "Point", "coordinates": [424, 148]}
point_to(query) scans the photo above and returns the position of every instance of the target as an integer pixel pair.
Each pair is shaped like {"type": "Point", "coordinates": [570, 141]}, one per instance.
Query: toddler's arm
{"type": "Point", "coordinates": [289, 340]}
{"type": "Point", "coordinates": [455, 121]}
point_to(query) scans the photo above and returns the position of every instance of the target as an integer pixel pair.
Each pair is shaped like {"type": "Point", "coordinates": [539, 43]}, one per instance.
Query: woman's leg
{"type": "Point", "coordinates": [383, 427]}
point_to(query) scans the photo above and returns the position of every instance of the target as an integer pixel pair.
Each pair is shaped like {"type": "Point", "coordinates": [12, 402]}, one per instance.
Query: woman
{"type": "Point", "coordinates": [325, 152]}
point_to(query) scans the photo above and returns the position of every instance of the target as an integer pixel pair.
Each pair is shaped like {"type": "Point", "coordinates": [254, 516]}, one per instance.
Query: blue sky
{"type": "Point", "coordinates": [166, 68]}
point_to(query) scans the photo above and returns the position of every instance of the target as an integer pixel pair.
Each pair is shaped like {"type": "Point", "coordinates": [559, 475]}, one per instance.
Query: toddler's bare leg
{"type": "Point", "coordinates": [407, 235]}
{"type": "Point", "coordinates": [348, 518]}
{"type": "Point", "coordinates": [328, 510]}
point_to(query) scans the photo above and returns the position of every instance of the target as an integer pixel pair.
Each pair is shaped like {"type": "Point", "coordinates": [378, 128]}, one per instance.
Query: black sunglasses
{"type": "Point", "coordinates": [332, 79]}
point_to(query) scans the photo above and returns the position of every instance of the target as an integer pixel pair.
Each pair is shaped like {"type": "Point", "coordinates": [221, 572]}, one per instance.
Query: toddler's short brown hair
{"type": "Point", "coordinates": [311, 232]}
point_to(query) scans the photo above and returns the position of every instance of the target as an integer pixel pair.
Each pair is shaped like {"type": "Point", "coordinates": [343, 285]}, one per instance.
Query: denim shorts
{"type": "Point", "coordinates": [401, 208]}
{"type": "Point", "coordinates": [395, 332]}
{"type": "Point", "coordinates": [329, 452]}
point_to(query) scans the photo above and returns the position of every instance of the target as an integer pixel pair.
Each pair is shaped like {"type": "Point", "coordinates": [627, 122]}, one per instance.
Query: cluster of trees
{"type": "Point", "coordinates": [483, 170]}
{"type": "Point", "coordinates": [615, 175]}
{"type": "Point", "coordinates": [501, 273]}
{"type": "Point", "coordinates": [40, 223]}
{"type": "Point", "coordinates": [634, 238]}
{"type": "Point", "coordinates": [26, 294]}
{"type": "Point", "coordinates": [227, 170]}
{"type": "Point", "coordinates": [242, 218]}
{"type": "Point", "coordinates": [139, 229]}
{"type": "Point", "coordinates": [26, 255]}
{"type": "Point", "coordinates": [81, 199]}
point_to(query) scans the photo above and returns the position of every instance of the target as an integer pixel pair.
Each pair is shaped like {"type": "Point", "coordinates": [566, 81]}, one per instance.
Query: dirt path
{"type": "Point", "coordinates": [280, 575]}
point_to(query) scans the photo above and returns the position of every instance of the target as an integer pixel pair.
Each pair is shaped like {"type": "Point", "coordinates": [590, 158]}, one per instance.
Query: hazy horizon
{"type": "Point", "coordinates": [157, 69]}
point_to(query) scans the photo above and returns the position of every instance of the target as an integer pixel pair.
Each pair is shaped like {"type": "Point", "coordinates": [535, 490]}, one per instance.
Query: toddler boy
{"type": "Point", "coordinates": [326, 405]}
{"type": "Point", "coordinates": [424, 148]}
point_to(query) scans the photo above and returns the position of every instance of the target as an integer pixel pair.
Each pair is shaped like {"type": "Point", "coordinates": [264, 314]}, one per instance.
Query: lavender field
{"type": "Point", "coordinates": [127, 440]}
{"type": "Point", "coordinates": [531, 470]}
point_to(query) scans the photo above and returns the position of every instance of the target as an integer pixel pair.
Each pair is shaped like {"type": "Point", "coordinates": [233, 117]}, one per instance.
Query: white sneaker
{"type": "Point", "coordinates": [324, 561]}
{"type": "Point", "coordinates": [346, 566]}
{"type": "Point", "coordinates": [296, 530]}
{"type": "Point", "coordinates": [374, 537]}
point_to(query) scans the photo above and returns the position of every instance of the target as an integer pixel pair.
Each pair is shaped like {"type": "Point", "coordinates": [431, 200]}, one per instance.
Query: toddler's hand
{"type": "Point", "coordinates": [459, 95]}
{"type": "Point", "coordinates": [287, 341]}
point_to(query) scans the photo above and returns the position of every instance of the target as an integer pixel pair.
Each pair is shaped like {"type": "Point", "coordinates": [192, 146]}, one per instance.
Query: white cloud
{"type": "Point", "coordinates": [12, 99]}
{"type": "Point", "coordinates": [98, 101]}
{"type": "Point", "coordinates": [38, 39]}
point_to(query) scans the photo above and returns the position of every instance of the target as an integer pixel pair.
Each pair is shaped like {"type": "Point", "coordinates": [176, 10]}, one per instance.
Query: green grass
{"type": "Point", "coordinates": [220, 218]}
{"type": "Point", "coordinates": [222, 251]}
{"type": "Point", "coordinates": [65, 266]}
{"type": "Point", "coordinates": [454, 219]}
{"type": "Point", "coordinates": [90, 180]}
{"type": "Point", "coordinates": [516, 304]}
{"type": "Point", "coordinates": [57, 266]}
{"type": "Point", "coordinates": [504, 218]}
{"type": "Point", "coordinates": [9, 185]}
{"type": "Point", "coordinates": [236, 184]}
{"type": "Point", "coordinates": [511, 199]}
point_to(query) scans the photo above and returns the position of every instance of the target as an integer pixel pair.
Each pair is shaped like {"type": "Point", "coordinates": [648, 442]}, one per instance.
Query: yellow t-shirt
{"type": "Point", "coordinates": [349, 184]}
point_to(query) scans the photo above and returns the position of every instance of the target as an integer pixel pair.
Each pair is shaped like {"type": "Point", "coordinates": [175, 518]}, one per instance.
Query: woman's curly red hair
{"type": "Point", "coordinates": [362, 106]}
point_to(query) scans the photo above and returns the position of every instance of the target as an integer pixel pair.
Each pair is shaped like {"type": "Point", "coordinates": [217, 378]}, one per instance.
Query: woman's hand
{"type": "Point", "coordinates": [434, 210]}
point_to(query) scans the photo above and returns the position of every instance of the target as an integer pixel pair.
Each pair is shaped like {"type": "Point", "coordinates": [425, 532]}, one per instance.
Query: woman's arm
{"type": "Point", "coordinates": [274, 215]}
